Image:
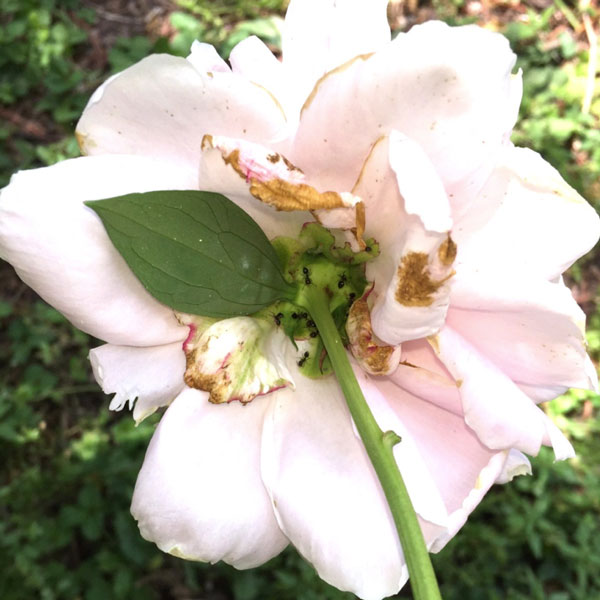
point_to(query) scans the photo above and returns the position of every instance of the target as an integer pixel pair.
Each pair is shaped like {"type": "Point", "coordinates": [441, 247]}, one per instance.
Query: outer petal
{"type": "Point", "coordinates": [533, 331]}
{"type": "Point", "coordinates": [325, 492]}
{"type": "Point", "coordinates": [319, 35]}
{"type": "Point", "coordinates": [149, 377]}
{"type": "Point", "coordinates": [178, 106]}
{"type": "Point", "coordinates": [429, 84]}
{"type": "Point", "coordinates": [59, 247]}
{"type": "Point", "coordinates": [205, 59]}
{"type": "Point", "coordinates": [199, 494]}
{"type": "Point", "coordinates": [501, 415]}
{"type": "Point", "coordinates": [550, 225]}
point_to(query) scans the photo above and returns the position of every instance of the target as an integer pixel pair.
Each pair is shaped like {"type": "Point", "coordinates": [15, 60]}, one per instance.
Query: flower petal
{"type": "Point", "coordinates": [428, 84]}
{"type": "Point", "coordinates": [150, 377]}
{"type": "Point", "coordinates": [59, 247]}
{"type": "Point", "coordinates": [205, 59]}
{"type": "Point", "coordinates": [319, 35]}
{"type": "Point", "coordinates": [199, 494]}
{"type": "Point", "coordinates": [179, 105]}
{"type": "Point", "coordinates": [412, 274]}
{"type": "Point", "coordinates": [501, 415]}
{"type": "Point", "coordinates": [550, 225]}
{"type": "Point", "coordinates": [325, 492]}
{"type": "Point", "coordinates": [533, 331]}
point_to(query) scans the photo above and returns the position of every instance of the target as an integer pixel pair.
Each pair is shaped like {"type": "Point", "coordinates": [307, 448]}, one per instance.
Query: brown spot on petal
{"type": "Point", "coordinates": [274, 157]}
{"type": "Point", "coordinates": [447, 251]}
{"type": "Point", "coordinates": [415, 286]}
{"type": "Point", "coordinates": [287, 196]}
{"type": "Point", "coordinates": [360, 224]}
{"type": "Point", "coordinates": [375, 359]}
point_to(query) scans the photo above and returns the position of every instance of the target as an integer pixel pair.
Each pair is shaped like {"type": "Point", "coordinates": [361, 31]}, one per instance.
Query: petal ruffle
{"type": "Point", "coordinates": [148, 377]}
{"type": "Point", "coordinates": [59, 246]}
{"type": "Point", "coordinates": [549, 224]}
{"type": "Point", "coordinates": [501, 415]}
{"type": "Point", "coordinates": [199, 494]}
{"type": "Point", "coordinates": [169, 97]}
{"type": "Point", "coordinates": [458, 105]}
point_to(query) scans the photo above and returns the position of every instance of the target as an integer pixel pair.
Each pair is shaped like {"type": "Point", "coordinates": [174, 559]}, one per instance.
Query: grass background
{"type": "Point", "coordinates": [68, 465]}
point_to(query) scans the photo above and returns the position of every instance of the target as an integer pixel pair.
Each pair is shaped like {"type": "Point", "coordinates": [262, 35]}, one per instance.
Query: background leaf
{"type": "Point", "coordinates": [196, 252]}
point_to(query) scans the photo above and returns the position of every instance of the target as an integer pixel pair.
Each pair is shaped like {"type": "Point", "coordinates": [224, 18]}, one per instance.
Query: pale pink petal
{"type": "Point", "coordinates": [516, 464]}
{"type": "Point", "coordinates": [501, 415]}
{"type": "Point", "coordinates": [162, 107]}
{"type": "Point", "coordinates": [527, 221]}
{"type": "Point", "coordinates": [532, 330]}
{"type": "Point", "coordinates": [60, 248]}
{"type": "Point", "coordinates": [325, 492]}
{"type": "Point", "coordinates": [457, 104]}
{"type": "Point", "coordinates": [253, 60]}
{"type": "Point", "coordinates": [462, 468]}
{"type": "Point", "coordinates": [205, 59]}
{"type": "Point", "coordinates": [319, 35]}
{"type": "Point", "coordinates": [148, 377]}
{"type": "Point", "coordinates": [410, 221]}
{"type": "Point", "coordinates": [199, 494]}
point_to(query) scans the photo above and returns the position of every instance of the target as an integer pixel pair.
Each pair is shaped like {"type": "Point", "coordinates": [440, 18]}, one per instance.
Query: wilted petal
{"type": "Point", "coordinates": [179, 105]}
{"type": "Point", "coordinates": [457, 106]}
{"type": "Point", "coordinates": [528, 221]}
{"type": "Point", "coordinates": [411, 276]}
{"type": "Point", "coordinates": [501, 415]}
{"type": "Point", "coordinates": [199, 494]}
{"type": "Point", "coordinates": [319, 35]}
{"type": "Point", "coordinates": [532, 330]}
{"type": "Point", "coordinates": [150, 377]}
{"type": "Point", "coordinates": [60, 248]}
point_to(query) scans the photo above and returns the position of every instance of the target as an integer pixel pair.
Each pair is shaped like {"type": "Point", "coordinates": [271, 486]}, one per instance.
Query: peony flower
{"type": "Point", "coordinates": [465, 327]}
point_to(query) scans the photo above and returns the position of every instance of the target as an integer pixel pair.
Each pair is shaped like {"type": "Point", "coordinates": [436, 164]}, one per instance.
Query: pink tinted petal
{"type": "Point", "coordinates": [205, 59]}
{"type": "Point", "coordinates": [532, 330]}
{"type": "Point", "coordinates": [319, 35]}
{"type": "Point", "coordinates": [148, 377]}
{"type": "Point", "coordinates": [59, 247]}
{"type": "Point", "coordinates": [431, 86]}
{"type": "Point", "coordinates": [162, 107]}
{"type": "Point", "coordinates": [550, 225]}
{"type": "Point", "coordinates": [199, 494]}
{"type": "Point", "coordinates": [501, 415]}
{"type": "Point", "coordinates": [462, 468]}
{"type": "Point", "coordinates": [325, 492]}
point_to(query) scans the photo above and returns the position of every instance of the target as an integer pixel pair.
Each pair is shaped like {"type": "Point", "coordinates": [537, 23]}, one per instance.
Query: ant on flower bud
{"type": "Point", "coordinates": [278, 318]}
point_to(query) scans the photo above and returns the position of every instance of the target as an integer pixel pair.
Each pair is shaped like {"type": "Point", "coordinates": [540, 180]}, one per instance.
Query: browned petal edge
{"type": "Point", "coordinates": [415, 285]}
{"type": "Point", "coordinates": [82, 142]}
{"type": "Point", "coordinates": [334, 71]}
{"type": "Point", "coordinates": [282, 195]}
{"type": "Point", "coordinates": [374, 357]}
{"type": "Point", "coordinates": [447, 251]}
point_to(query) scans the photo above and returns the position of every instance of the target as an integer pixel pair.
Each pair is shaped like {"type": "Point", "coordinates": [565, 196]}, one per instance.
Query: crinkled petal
{"type": "Point", "coordinates": [457, 104]}
{"type": "Point", "coordinates": [501, 415]}
{"type": "Point", "coordinates": [148, 377]}
{"type": "Point", "coordinates": [532, 330]}
{"type": "Point", "coordinates": [162, 107]}
{"type": "Point", "coordinates": [199, 494]}
{"type": "Point", "coordinates": [549, 224]}
{"type": "Point", "coordinates": [319, 35]}
{"type": "Point", "coordinates": [59, 247]}
{"type": "Point", "coordinates": [410, 222]}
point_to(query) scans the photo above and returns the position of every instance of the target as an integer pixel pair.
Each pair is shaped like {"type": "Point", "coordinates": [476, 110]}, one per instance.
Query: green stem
{"type": "Point", "coordinates": [379, 446]}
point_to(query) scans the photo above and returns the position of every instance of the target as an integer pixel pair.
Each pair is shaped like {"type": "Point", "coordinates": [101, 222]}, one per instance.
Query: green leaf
{"type": "Point", "coordinates": [196, 252]}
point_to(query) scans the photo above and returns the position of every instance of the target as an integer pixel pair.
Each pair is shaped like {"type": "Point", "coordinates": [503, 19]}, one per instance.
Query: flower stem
{"type": "Point", "coordinates": [379, 447]}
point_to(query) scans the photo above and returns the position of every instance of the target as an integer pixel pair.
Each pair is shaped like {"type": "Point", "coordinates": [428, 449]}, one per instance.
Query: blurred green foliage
{"type": "Point", "coordinates": [69, 466]}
